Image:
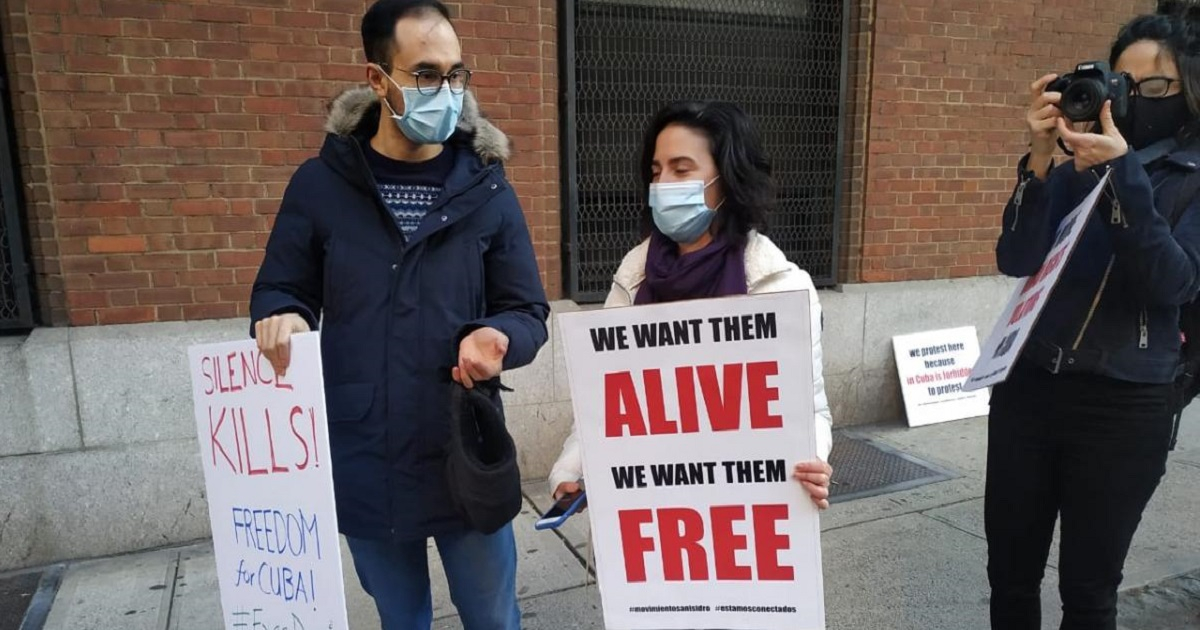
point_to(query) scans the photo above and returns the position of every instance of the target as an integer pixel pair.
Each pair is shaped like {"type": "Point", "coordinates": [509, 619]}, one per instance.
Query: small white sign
{"type": "Point", "coordinates": [1017, 320]}
{"type": "Point", "coordinates": [264, 447]}
{"type": "Point", "coordinates": [933, 366]}
{"type": "Point", "coordinates": [691, 416]}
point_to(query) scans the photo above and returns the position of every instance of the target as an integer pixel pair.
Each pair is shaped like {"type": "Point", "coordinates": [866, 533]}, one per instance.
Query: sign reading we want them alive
{"type": "Point", "coordinates": [690, 416]}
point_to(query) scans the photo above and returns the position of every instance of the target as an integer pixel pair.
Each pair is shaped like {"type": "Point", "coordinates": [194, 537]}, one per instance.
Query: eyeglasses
{"type": "Point", "coordinates": [1153, 87]}
{"type": "Point", "coordinates": [430, 82]}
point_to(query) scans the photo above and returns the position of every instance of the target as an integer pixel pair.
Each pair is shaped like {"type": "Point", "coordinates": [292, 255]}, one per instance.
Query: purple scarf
{"type": "Point", "coordinates": [715, 271]}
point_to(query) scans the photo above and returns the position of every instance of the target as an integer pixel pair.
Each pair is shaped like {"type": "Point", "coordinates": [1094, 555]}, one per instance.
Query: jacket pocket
{"type": "Point", "coordinates": [349, 402]}
{"type": "Point", "coordinates": [327, 275]}
{"type": "Point", "coordinates": [475, 277]}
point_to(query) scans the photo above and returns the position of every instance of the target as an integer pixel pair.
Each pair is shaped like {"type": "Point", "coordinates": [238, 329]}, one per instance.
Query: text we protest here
{"type": "Point", "coordinates": [940, 366]}
{"type": "Point", "coordinates": [933, 366]}
{"type": "Point", "coordinates": [691, 416]}
{"type": "Point", "coordinates": [264, 447]}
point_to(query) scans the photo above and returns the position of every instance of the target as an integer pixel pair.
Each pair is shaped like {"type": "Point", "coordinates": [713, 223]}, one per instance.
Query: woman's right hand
{"type": "Point", "coordinates": [566, 489]}
{"type": "Point", "coordinates": [566, 492]}
{"type": "Point", "coordinates": [1042, 120]}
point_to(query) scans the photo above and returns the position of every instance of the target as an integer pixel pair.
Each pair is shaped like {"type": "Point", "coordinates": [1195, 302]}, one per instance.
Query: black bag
{"type": "Point", "coordinates": [1187, 379]}
{"type": "Point", "coordinates": [481, 468]}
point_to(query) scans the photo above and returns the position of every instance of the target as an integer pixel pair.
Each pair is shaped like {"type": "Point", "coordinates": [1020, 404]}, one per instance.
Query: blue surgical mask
{"type": "Point", "coordinates": [428, 118]}
{"type": "Point", "coordinates": [679, 210]}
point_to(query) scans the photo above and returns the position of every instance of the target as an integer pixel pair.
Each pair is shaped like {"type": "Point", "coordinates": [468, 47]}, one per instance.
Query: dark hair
{"type": "Point", "coordinates": [735, 146]}
{"type": "Point", "coordinates": [1176, 27]}
{"type": "Point", "coordinates": [379, 25]}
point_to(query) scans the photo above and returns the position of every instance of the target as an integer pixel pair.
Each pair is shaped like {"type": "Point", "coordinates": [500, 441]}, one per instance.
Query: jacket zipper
{"type": "Point", "coordinates": [1143, 330]}
{"type": "Point", "coordinates": [1095, 303]}
{"type": "Point", "coordinates": [1018, 198]}
{"type": "Point", "coordinates": [1118, 217]}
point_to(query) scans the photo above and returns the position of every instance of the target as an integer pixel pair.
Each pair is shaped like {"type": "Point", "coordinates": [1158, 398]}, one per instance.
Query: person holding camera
{"type": "Point", "coordinates": [1081, 428]}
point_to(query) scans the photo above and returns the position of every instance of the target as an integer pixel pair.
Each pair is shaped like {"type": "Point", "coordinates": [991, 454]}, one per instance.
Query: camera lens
{"type": "Point", "coordinates": [1083, 100]}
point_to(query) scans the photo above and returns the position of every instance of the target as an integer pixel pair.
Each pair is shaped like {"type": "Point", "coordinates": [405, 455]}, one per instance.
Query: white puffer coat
{"type": "Point", "coordinates": [767, 271]}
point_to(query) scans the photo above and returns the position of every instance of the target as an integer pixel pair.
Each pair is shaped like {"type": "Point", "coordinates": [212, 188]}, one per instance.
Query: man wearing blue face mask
{"type": "Point", "coordinates": [404, 240]}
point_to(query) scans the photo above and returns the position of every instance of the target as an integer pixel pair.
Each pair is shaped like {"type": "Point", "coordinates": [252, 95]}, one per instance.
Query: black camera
{"type": "Point", "coordinates": [1085, 90]}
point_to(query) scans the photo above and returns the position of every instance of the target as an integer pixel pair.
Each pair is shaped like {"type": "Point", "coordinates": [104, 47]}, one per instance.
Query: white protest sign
{"type": "Point", "coordinates": [1017, 320]}
{"type": "Point", "coordinates": [264, 446]}
{"type": "Point", "coordinates": [933, 366]}
{"type": "Point", "coordinates": [691, 416]}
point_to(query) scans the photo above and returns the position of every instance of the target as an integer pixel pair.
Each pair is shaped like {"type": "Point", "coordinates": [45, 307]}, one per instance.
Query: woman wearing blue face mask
{"type": "Point", "coordinates": [709, 190]}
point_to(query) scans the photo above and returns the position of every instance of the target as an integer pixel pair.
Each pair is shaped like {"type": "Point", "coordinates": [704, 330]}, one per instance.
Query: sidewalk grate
{"type": "Point", "coordinates": [15, 594]}
{"type": "Point", "coordinates": [865, 468]}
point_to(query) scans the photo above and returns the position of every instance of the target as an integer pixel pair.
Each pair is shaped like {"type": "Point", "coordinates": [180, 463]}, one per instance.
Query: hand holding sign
{"type": "Point", "coordinates": [274, 336]}
{"type": "Point", "coordinates": [814, 475]}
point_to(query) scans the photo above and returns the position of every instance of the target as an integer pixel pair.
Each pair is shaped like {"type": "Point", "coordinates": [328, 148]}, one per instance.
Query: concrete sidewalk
{"type": "Point", "coordinates": [906, 560]}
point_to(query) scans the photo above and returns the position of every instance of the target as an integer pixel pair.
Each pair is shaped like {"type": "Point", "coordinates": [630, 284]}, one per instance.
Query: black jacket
{"type": "Point", "coordinates": [392, 310]}
{"type": "Point", "coordinates": [1115, 310]}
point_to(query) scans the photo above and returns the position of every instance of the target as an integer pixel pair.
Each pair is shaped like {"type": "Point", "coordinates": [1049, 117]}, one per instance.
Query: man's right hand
{"type": "Point", "coordinates": [274, 335]}
{"type": "Point", "coordinates": [1042, 120]}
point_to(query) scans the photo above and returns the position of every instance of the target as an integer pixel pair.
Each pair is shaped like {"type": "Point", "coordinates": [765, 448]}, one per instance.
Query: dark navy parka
{"type": "Point", "coordinates": [392, 311]}
{"type": "Point", "coordinates": [1117, 301]}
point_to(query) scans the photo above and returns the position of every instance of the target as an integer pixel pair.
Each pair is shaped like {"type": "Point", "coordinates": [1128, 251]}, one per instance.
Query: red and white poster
{"type": "Point", "coordinates": [264, 447]}
{"type": "Point", "coordinates": [691, 416]}
{"type": "Point", "coordinates": [1008, 337]}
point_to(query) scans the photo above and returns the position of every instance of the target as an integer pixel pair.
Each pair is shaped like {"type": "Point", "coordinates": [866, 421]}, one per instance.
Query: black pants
{"type": "Point", "coordinates": [1084, 447]}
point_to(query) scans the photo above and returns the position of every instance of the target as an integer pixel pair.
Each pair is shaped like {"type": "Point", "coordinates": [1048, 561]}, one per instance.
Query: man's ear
{"type": "Point", "coordinates": [377, 80]}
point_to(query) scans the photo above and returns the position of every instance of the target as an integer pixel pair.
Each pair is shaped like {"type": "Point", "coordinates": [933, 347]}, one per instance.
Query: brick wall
{"type": "Point", "coordinates": [948, 88]}
{"type": "Point", "coordinates": [513, 46]}
{"type": "Point", "coordinates": [156, 138]}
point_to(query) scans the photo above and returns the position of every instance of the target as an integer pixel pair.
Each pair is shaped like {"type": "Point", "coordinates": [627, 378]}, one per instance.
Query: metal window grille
{"type": "Point", "coordinates": [16, 310]}
{"type": "Point", "coordinates": [784, 61]}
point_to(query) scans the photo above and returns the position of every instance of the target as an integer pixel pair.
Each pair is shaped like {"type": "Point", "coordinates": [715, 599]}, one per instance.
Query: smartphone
{"type": "Point", "coordinates": [561, 511]}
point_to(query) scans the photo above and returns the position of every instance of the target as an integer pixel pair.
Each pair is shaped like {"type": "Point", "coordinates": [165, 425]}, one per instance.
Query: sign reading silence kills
{"type": "Point", "coordinates": [264, 447]}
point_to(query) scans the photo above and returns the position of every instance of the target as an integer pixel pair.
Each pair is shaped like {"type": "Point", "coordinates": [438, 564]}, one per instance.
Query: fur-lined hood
{"type": "Point", "coordinates": [348, 110]}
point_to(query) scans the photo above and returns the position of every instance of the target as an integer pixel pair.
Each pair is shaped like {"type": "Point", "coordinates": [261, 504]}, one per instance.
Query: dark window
{"type": "Point", "coordinates": [783, 61]}
{"type": "Point", "coordinates": [16, 310]}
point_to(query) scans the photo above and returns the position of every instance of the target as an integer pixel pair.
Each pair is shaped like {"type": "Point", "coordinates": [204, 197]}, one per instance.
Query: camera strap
{"type": "Point", "coordinates": [1156, 151]}
{"type": "Point", "coordinates": [1188, 191]}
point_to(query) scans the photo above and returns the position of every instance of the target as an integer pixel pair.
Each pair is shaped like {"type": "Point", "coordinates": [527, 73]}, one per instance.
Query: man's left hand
{"type": "Point", "coordinates": [480, 356]}
{"type": "Point", "coordinates": [1094, 149]}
